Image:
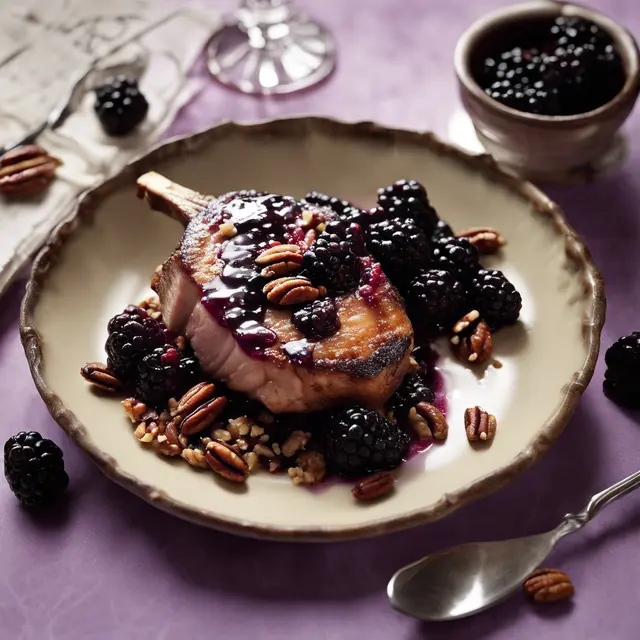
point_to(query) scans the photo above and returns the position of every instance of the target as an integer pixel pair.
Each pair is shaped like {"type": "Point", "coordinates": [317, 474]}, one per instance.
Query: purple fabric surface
{"type": "Point", "coordinates": [106, 565]}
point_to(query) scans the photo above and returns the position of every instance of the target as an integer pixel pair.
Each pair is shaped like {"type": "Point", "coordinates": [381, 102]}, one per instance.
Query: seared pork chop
{"type": "Point", "coordinates": [210, 289]}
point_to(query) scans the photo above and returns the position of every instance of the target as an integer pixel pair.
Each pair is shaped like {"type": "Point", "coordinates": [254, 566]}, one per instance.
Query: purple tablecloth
{"type": "Point", "coordinates": [107, 565]}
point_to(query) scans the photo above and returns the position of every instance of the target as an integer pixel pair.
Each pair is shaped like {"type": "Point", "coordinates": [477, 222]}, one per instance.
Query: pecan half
{"type": "Point", "coordinates": [101, 376]}
{"type": "Point", "coordinates": [290, 290]}
{"type": "Point", "coordinates": [435, 419]}
{"type": "Point", "coordinates": [372, 487]}
{"type": "Point", "coordinates": [474, 343]}
{"type": "Point", "coordinates": [485, 239]}
{"type": "Point", "coordinates": [548, 585]}
{"type": "Point", "coordinates": [279, 260]}
{"type": "Point", "coordinates": [195, 397]}
{"type": "Point", "coordinates": [203, 416]}
{"type": "Point", "coordinates": [26, 170]}
{"type": "Point", "coordinates": [226, 462]}
{"type": "Point", "coordinates": [479, 425]}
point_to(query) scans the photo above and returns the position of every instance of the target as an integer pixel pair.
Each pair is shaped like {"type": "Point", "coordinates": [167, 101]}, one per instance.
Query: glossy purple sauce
{"type": "Point", "coordinates": [235, 298]}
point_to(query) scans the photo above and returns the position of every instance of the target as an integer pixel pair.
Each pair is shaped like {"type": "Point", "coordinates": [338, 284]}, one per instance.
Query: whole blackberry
{"type": "Point", "coordinates": [132, 335]}
{"type": "Point", "coordinates": [442, 231]}
{"type": "Point", "coordinates": [330, 261]}
{"type": "Point", "coordinates": [412, 391]}
{"type": "Point", "coordinates": [317, 320]}
{"type": "Point", "coordinates": [457, 255]}
{"type": "Point", "coordinates": [34, 468]}
{"type": "Point", "coordinates": [352, 232]}
{"type": "Point", "coordinates": [120, 106]}
{"type": "Point", "coordinates": [400, 247]}
{"type": "Point", "coordinates": [165, 373]}
{"type": "Point", "coordinates": [495, 298]}
{"type": "Point", "coordinates": [622, 377]}
{"type": "Point", "coordinates": [435, 300]}
{"type": "Point", "coordinates": [341, 207]}
{"type": "Point", "coordinates": [408, 199]}
{"type": "Point", "coordinates": [359, 441]}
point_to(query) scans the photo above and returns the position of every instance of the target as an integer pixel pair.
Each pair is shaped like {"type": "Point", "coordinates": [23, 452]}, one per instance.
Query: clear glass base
{"type": "Point", "coordinates": [270, 53]}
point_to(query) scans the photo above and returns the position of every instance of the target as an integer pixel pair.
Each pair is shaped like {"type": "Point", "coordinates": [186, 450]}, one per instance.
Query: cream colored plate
{"type": "Point", "coordinates": [103, 260]}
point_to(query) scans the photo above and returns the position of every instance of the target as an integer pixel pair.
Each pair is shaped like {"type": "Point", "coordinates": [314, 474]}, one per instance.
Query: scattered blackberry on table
{"type": "Point", "coordinates": [442, 231]}
{"type": "Point", "coordinates": [317, 320]}
{"type": "Point", "coordinates": [360, 441]}
{"type": "Point", "coordinates": [331, 262]}
{"type": "Point", "coordinates": [412, 391]}
{"type": "Point", "coordinates": [166, 373]}
{"type": "Point", "coordinates": [456, 255]}
{"type": "Point", "coordinates": [34, 468]}
{"type": "Point", "coordinates": [132, 335]}
{"type": "Point", "coordinates": [495, 298]}
{"type": "Point", "coordinates": [574, 68]}
{"type": "Point", "coordinates": [622, 377]}
{"type": "Point", "coordinates": [120, 106]}
{"type": "Point", "coordinates": [435, 300]}
{"type": "Point", "coordinates": [408, 199]}
{"type": "Point", "coordinates": [399, 246]}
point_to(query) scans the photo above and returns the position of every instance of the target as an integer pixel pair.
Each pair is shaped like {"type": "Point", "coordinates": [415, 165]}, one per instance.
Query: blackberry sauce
{"type": "Point", "coordinates": [235, 298]}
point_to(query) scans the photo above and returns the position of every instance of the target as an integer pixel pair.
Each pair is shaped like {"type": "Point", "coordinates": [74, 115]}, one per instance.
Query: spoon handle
{"type": "Point", "coordinates": [600, 500]}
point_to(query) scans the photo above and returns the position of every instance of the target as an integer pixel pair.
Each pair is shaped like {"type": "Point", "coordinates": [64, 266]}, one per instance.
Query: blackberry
{"type": "Point", "coordinates": [495, 298]}
{"type": "Point", "coordinates": [359, 441]}
{"type": "Point", "coordinates": [622, 377]}
{"type": "Point", "coordinates": [441, 232]}
{"type": "Point", "coordinates": [166, 373]}
{"type": "Point", "coordinates": [399, 246]}
{"type": "Point", "coordinates": [412, 391]}
{"type": "Point", "coordinates": [408, 199]}
{"type": "Point", "coordinates": [341, 207]}
{"type": "Point", "coordinates": [574, 69]}
{"type": "Point", "coordinates": [330, 261]}
{"type": "Point", "coordinates": [120, 106]}
{"type": "Point", "coordinates": [132, 335]}
{"type": "Point", "coordinates": [351, 232]}
{"type": "Point", "coordinates": [457, 255]}
{"type": "Point", "coordinates": [317, 320]}
{"type": "Point", "coordinates": [435, 299]}
{"type": "Point", "coordinates": [34, 468]}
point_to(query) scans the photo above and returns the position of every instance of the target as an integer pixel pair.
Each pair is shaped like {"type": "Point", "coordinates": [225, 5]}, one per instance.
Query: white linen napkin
{"type": "Point", "coordinates": [43, 49]}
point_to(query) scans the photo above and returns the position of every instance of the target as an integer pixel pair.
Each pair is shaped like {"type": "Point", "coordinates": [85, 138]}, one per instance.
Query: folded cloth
{"type": "Point", "coordinates": [88, 155]}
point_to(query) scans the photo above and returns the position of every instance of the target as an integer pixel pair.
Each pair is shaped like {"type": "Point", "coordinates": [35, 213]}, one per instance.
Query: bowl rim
{"type": "Point", "coordinates": [84, 209]}
{"type": "Point", "coordinates": [624, 40]}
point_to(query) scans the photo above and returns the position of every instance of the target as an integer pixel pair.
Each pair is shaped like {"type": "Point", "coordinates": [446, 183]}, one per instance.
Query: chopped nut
{"type": "Point", "coordinates": [239, 427]}
{"type": "Point", "coordinates": [263, 450]}
{"type": "Point", "coordinates": [479, 425]}
{"type": "Point", "coordinates": [264, 438]}
{"type": "Point", "coordinates": [251, 459]}
{"type": "Point", "coordinates": [242, 444]}
{"type": "Point", "coordinates": [226, 462]}
{"type": "Point", "coordinates": [290, 290]}
{"type": "Point", "coordinates": [548, 585]}
{"type": "Point", "coordinates": [162, 446]}
{"type": "Point", "coordinates": [140, 431]}
{"type": "Point", "coordinates": [101, 376]}
{"type": "Point", "coordinates": [374, 486]}
{"type": "Point", "coordinates": [274, 465]}
{"type": "Point", "coordinates": [465, 321]}
{"type": "Point", "coordinates": [311, 468]}
{"type": "Point", "coordinates": [146, 438]}
{"type": "Point", "coordinates": [228, 229]}
{"type": "Point", "coordinates": [222, 434]}
{"type": "Point", "coordinates": [435, 419]}
{"type": "Point", "coordinates": [256, 431]}
{"type": "Point", "coordinates": [296, 441]}
{"type": "Point", "coordinates": [485, 239]}
{"type": "Point", "coordinates": [138, 411]}
{"type": "Point", "coordinates": [276, 448]}
{"type": "Point", "coordinates": [195, 457]}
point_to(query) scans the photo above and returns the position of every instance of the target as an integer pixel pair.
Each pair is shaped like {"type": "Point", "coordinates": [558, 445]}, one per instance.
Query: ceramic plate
{"type": "Point", "coordinates": [102, 260]}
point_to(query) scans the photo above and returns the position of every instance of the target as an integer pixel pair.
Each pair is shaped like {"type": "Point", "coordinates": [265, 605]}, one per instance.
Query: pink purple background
{"type": "Point", "coordinates": [106, 565]}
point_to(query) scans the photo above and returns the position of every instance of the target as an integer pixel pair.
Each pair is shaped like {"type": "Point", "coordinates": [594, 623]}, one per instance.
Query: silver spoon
{"type": "Point", "coordinates": [470, 578]}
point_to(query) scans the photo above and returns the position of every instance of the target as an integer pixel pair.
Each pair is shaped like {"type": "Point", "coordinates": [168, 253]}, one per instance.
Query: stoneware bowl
{"type": "Point", "coordinates": [543, 148]}
{"type": "Point", "coordinates": [102, 260]}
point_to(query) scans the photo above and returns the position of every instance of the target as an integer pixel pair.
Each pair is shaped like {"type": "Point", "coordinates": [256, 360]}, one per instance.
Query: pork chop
{"type": "Point", "coordinates": [210, 290]}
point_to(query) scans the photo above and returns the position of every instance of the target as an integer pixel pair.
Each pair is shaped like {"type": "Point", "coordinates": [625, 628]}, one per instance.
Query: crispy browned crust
{"type": "Point", "coordinates": [576, 252]}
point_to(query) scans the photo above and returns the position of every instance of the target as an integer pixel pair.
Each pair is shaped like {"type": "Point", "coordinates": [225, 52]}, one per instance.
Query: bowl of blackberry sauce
{"type": "Point", "coordinates": [547, 86]}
